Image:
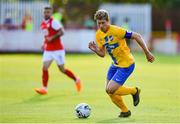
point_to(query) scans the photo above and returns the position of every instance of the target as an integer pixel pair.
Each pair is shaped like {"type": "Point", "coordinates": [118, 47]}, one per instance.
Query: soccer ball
{"type": "Point", "coordinates": [83, 110]}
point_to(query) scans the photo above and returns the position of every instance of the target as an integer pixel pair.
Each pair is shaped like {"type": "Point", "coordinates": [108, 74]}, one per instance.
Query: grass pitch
{"type": "Point", "coordinates": [21, 73]}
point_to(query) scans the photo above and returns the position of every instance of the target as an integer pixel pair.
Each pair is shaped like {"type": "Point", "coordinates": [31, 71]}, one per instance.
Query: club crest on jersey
{"type": "Point", "coordinates": [111, 38]}
{"type": "Point", "coordinates": [48, 25]}
{"type": "Point", "coordinates": [129, 32]}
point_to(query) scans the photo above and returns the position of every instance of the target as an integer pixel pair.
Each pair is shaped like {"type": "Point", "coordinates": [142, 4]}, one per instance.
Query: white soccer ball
{"type": "Point", "coordinates": [83, 110]}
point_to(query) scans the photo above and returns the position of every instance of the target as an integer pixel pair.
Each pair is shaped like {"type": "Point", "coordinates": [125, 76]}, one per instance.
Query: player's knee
{"type": "Point", "coordinates": [45, 68]}
{"type": "Point", "coordinates": [109, 91]}
{"type": "Point", "coordinates": [62, 70]}
{"type": "Point", "coordinates": [106, 90]}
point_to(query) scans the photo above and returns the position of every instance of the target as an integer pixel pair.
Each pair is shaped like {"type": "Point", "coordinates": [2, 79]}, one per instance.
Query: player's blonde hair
{"type": "Point", "coordinates": [101, 15]}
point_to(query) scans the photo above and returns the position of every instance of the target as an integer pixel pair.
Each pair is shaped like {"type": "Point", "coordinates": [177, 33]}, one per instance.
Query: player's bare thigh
{"type": "Point", "coordinates": [61, 68]}
{"type": "Point", "coordinates": [46, 64]}
{"type": "Point", "coordinates": [112, 86]}
{"type": "Point", "coordinates": [107, 82]}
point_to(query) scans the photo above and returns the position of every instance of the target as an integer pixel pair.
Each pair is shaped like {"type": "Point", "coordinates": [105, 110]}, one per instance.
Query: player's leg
{"type": "Point", "coordinates": [67, 72]}
{"type": "Point", "coordinates": [47, 60]}
{"type": "Point", "coordinates": [111, 71]}
{"type": "Point", "coordinates": [134, 91]}
{"type": "Point", "coordinates": [71, 75]}
{"type": "Point", "coordinates": [116, 99]}
{"type": "Point", "coordinates": [45, 74]}
{"type": "Point", "coordinates": [59, 57]}
{"type": "Point", "coordinates": [120, 77]}
{"type": "Point", "coordinates": [112, 87]}
{"type": "Point", "coordinates": [116, 89]}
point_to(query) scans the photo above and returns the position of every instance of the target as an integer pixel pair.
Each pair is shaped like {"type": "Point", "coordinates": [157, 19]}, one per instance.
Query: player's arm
{"type": "Point", "coordinates": [138, 38]}
{"type": "Point", "coordinates": [99, 51]}
{"type": "Point", "coordinates": [57, 35]}
{"type": "Point", "coordinates": [58, 27]}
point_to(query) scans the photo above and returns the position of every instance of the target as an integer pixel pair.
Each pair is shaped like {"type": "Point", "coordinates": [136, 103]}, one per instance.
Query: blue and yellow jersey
{"type": "Point", "coordinates": [114, 42]}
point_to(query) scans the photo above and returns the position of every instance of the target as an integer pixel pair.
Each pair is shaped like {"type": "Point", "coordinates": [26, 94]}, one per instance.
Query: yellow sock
{"type": "Point", "coordinates": [125, 91]}
{"type": "Point", "coordinates": [118, 101]}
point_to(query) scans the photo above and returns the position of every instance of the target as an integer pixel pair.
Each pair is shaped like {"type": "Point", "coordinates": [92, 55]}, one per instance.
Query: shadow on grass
{"type": "Point", "coordinates": [112, 120]}
{"type": "Point", "coordinates": [81, 120]}
{"type": "Point", "coordinates": [117, 120]}
{"type": "Point", "coordinates": [38, 98]}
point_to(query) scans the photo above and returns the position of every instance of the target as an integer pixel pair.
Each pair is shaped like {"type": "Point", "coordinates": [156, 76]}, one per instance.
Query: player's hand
{"type": "Point", "coordinates": [150, 57]}
{"type": "Point", "coordinates": [49, 39]}
{"type": "Point", "coordinates": [42, 47]}
{"type": "Point", "coordinates": [92, 46]}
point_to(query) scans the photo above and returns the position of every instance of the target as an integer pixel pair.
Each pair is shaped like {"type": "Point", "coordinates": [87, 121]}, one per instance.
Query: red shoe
{"type": "Point", "coordinates": [41, 91]}
{"type": "Point", "coordinates": [78, 84]}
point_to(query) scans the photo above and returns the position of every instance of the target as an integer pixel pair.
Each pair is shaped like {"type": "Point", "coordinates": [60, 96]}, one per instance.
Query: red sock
{"type": "Point", "coordinates": [70, 74]}
{"type": "Point", "coordinates": [45, 77]}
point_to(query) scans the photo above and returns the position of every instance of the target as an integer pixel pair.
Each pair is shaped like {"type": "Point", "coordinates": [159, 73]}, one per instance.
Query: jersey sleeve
{"type": "Point", "coordinates": [123, 33]}
{"type": "Point", "coordinates": [98, 41]}
{"type": "Point", "coordinates": [56, 25]}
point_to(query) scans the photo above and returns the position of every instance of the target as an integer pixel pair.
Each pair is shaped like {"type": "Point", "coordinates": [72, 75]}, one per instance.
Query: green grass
{"type": "Point", "coordinates": [21, 73]}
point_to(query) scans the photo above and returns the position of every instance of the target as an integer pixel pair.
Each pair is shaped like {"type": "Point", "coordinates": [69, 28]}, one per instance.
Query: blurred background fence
{"type": "Point", "coordinates": [14, 12]}
{"type": "Point", "coordinates": [158, 22]}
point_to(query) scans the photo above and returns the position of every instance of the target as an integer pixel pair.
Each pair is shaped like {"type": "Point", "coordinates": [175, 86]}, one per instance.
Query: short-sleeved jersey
{"type": "Point", "coordinates": [115, 44]}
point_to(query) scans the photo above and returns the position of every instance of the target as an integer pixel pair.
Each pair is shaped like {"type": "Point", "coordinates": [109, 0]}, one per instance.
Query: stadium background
{"type": "Point", "coordinates": [20, 61]}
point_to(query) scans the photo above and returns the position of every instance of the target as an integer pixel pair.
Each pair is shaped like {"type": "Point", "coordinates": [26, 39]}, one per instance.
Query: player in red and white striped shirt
{"type": "Point", "coordinates": [53, 50]}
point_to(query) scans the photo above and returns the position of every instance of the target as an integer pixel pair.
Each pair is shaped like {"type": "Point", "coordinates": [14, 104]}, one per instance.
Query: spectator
{"type": "Point", "coordinates": [58, 14]}
{"type": "Point", "coordinates": [8, 22]}
{"type": "Point", "coordinates": [27, 22]}
{"type": "Point", "coordinates": [126, 23]}
{"type": "Point", "coordinates": [88, 22]}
